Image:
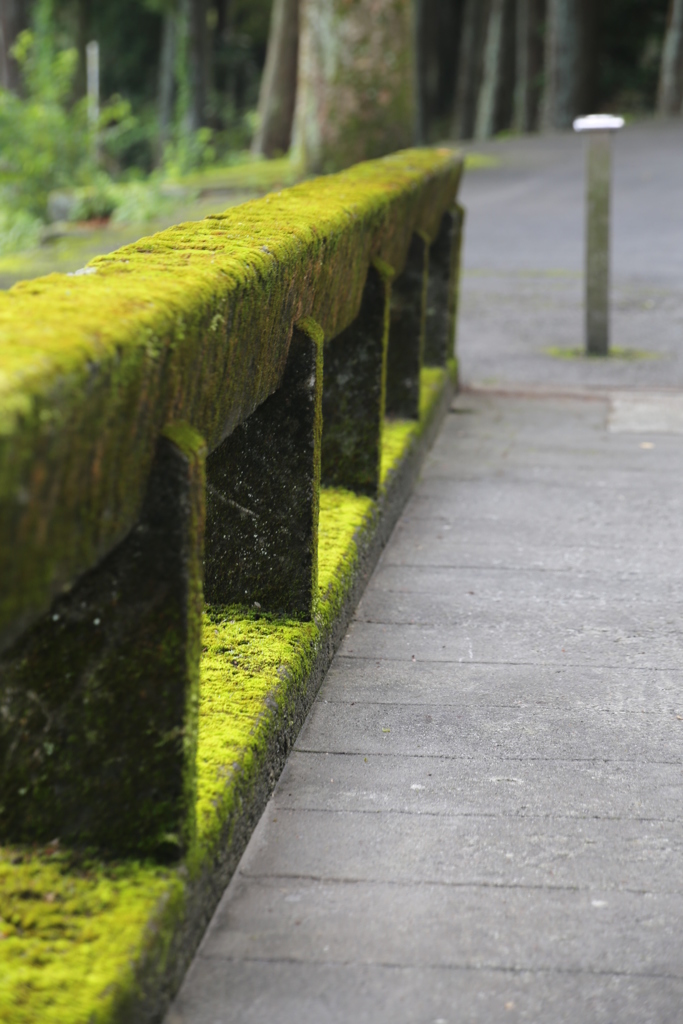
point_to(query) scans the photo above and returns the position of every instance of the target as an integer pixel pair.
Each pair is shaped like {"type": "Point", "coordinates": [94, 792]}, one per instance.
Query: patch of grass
{"type": "Point", "coordinates": [481, 162]}
{"type": "Point", "coordinates": [628, 354]}
{"type": "Point", "coordinates": [252, 175]}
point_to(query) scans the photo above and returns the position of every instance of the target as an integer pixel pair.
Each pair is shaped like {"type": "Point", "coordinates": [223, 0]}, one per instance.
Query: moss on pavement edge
{"type": "Point", "coordinates": [84, 941]}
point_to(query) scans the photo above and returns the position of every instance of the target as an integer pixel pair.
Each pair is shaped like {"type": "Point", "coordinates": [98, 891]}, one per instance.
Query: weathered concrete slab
{"type": "Point", "coordinates": [646, 413]}
{"type": "Point", "coordinates": [318, 993]}
{"type": "Point", "coordinates": [649, 691]}
{"type": "Point", "coordinates": [464, 732]}
{"type": "Point", "coordinates": [523, 640]}
{"type": "Point", "coordinates": [477, 849]}
{"type": "Point", "coordinates": [487, 784]}
{"type": "Point", "coordinates": [519, 928]}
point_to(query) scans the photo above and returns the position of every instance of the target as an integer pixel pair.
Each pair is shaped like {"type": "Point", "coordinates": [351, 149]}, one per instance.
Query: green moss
{"type": "Point", "coordinates": [249, 658]}
{"type": "Point", "coordinates": [481, 162]}
{"type": "Point", "coordinates": [71, 929]}
{"type": "Point", "coordinates": [193, 324]}
{"type": "Point", "coordinates": [74, 928]}
{"type": "Point", "coordinates": [398, 435]}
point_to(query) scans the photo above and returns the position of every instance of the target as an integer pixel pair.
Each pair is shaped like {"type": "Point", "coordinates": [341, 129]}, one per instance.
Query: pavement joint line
{"type": "Point", "coordinates": [422, 966]}
{"type": "Point", "coordinates": [456, 815]}
{"type": "Point", "coordinates": [511, 664]}
{"type": "Point", "coordinates": [514, 476]}
{"type": "Point", "coordinates": [627, 577]}
{"type": "Point", "coordinates": [540, 393]}
{"type": "Point", "coordinates": [526, 759]}
{"type": "Point", "coordinates": [598, 394]}
{"type": "Point", "coordinates": [587, 708]}
{"type": "Point", "coordinates": [498, 759]}
{"type": "Point", "coordinates": [431, 883]}
{"type": "Point", "coordinates": [467, 620]}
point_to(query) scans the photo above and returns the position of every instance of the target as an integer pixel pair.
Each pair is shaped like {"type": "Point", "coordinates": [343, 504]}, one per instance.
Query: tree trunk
{"type": "Point", "coordinates": [420, 30]}
{"type": "Point", "coordinates": [196, 63]}
{"type": "Point", "coordinates": [528, 64]}
{"type": "Point", "coordinates": [489, 92]}
{"type": "Point", "coordinates": [670, 91]}
{"type": "Point", "coordinates": [82, 40]}
{"type": "Point", "coordinates": [278, 84]}
{"type": "Point", "coordinates": [356, 82]}
{"type": "Point", "coordinates": [474, 20]}
{"type": "Point", "coordinates": [167, 59]}
{"type": "Point", "coordinates": [13, 20]}
{"type": "Point", "coordinates": [439, 23]}
{"type": "Point", "coordinates": [563, 70]}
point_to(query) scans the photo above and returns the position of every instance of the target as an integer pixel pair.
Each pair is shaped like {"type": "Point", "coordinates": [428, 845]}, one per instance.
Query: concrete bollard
{"type": "Point", "coordinates": [598, 181]}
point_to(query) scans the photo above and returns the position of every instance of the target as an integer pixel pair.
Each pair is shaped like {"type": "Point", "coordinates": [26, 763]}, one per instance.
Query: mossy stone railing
{"type": "Point", "coordinates": [166, 418]}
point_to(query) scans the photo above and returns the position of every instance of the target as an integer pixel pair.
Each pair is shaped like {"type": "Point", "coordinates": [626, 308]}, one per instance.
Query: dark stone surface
{"type": "Point", "coordinates": [353, 394]}
{"type": "Point", "coordinates": [442, 288]}
{"type": "Point", "coordinates": [99, 699]}
{"type": "Point", "coordinates": [406, 333]}
{"type": "Point", "coordinates": [263, 493]}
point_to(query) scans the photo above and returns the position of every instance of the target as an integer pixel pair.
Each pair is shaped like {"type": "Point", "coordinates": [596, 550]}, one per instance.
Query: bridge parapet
{"type": "Point", "coordinates": [166, 418]}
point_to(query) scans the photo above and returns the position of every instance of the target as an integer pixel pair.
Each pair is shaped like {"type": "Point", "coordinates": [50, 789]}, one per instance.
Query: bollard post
{"type": "Point", "coordinates": [92, 60]}
{"type": "Point", "coordinates": [599, 129]}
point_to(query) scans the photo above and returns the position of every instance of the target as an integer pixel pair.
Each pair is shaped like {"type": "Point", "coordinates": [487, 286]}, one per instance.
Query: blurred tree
{"type": "Point", "coordinates": [167, 64]}
{"type": "Point", "coordinates": [470, 63]}
{"type": "Point", "coordinates": [561, 99]}
{"type": "Point", "coordinates": [439, 25]}
{"type": "Point", "coordinates": [670, 93]}
{"type": "Point", "coordinates": [278, 85]}
{"type": "Point", "coordinates": [356, 89]}
{"type": "Point", "coordinates": [528, 64]}
{"type": "Point", "coordinates": [493, 112]}
{"type": "Point", "coordinates": [13, 20]}
{"type": "Point", "coordinates": [630, 36]}
{"type": "Point", "coordinates": [197, 58]}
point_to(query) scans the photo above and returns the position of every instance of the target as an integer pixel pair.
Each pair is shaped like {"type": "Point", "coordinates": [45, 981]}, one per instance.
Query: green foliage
{"type": "Point", "coordinates": [630, 36]}
{"type": "Point", "coordinates": [44, 142]}
{"type": "Point", "coordinates": [189, 151]}
{"type": "Point", "coordinates": [19, 230]}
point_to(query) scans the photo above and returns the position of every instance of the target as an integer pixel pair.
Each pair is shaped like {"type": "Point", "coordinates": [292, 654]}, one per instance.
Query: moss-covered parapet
{"type": "Point", "coordinates": [192, 324]}
{"type": "Point", "coordinates": [354, 391]}
{"type": "Point", "coordinates": [88, 941]}
{"type": "Point", "coordinates": [442, 288]}
{"type": "Point", "coordinates": [98, 701]}
{"type": "Point", "coordinates": [407, 331]}
{"type": "Point", "coordinates": [263, 486]}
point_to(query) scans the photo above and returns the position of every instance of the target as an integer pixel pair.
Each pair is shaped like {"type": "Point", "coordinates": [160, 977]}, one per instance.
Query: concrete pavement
{"type": "Point", "coordinates": [481, 820]}
{"type": "Point", "coordinates": [523, 261]}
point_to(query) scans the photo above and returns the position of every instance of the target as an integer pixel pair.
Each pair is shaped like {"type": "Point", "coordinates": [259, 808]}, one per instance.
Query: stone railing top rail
{"type": "Point", "coordinates": [193, 325]}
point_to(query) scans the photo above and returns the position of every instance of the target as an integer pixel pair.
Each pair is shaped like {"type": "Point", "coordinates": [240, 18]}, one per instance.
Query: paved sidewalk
{"type": "Point", "coordinates": [482, 819]}
{"type": "Point", "coordinates": [523, 288]}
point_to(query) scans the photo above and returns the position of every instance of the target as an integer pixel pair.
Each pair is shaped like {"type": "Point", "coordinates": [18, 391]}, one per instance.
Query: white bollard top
{"type": "Point", "coordinates": [598, 123]}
